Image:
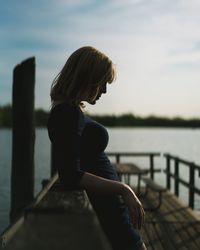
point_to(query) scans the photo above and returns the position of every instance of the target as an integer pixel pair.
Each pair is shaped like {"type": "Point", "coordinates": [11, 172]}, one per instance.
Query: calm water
{"type": "Point", "coordinates": [184, 143]}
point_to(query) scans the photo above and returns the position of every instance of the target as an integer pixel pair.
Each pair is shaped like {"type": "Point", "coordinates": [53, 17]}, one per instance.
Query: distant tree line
{"type": "Point", "coordinates": [41, 117]}
{"type": "Point", "coordinates": [124, 120]}
{"type": "Point", "coordinates": [130, 120]}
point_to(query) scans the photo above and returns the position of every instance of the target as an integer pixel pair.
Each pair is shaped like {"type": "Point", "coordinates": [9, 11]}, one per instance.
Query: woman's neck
{"type": "Point", "coordinates": [55, 103]}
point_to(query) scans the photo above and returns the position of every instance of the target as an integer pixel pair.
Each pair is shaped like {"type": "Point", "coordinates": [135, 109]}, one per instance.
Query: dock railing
{"type": "Point", "coordinates": [170, 174]}
{"type": "Point", "coordinates": [151, 156]}
{"type": "Point", "coordinates": [190, 184]}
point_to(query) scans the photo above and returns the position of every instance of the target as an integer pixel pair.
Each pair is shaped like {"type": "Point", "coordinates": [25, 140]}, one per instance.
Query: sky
{"type": "Point", "coordinates": [154, 44]}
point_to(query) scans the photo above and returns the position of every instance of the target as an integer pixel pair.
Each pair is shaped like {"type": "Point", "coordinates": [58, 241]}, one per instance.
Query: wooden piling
{"type": "Point", "coordinates": [23, 136]}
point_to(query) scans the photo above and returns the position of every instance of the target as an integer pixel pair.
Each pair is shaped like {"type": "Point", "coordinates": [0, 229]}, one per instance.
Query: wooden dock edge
{"type": "Point", "coordinates": [11, 230]}
{"type": "Point", "coordinates": [56, 218]}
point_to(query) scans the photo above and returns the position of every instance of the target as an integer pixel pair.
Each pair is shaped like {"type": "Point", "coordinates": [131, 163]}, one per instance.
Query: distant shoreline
{"type": "Point", "coordinates": [124, 120]}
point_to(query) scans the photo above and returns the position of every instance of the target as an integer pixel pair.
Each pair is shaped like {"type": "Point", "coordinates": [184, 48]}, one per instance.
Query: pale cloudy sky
{"type": "Point", "coordinates": [155, 45]}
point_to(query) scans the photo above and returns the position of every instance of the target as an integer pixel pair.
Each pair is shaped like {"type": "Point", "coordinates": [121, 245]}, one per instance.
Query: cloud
{"type": "Point", "coordinates": [155, 45]}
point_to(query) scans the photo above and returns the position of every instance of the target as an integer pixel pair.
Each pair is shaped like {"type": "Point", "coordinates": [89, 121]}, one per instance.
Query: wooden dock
{"type": "Point", "coordinates": [173, 226]}
{"type": "Point", "coordinates": [61, 220]}
{"type": "Point", "coordinates": [65, 220]}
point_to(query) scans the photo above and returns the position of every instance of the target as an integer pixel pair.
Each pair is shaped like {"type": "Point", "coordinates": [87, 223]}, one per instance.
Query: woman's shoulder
{"type": "Point", "coordinates": [63, 112]}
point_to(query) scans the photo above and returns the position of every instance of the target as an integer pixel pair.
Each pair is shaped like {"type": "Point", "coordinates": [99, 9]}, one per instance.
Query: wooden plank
{"type": "Point", "coordinates": [61, 220]}
{"type": "Point", "coordinates": [174, 223]}
{"type": "Point", "coordinates": [189, 229]}
{"type": "Point", "coordinates": [149, 236]}
{"type": "Point", "coordinates": [145, 238]}
{"type": "Point", "coordinates": [166, 225]}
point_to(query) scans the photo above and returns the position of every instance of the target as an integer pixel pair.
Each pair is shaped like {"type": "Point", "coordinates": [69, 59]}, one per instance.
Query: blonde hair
{"type": "Point", "coordinates": [85, 71]}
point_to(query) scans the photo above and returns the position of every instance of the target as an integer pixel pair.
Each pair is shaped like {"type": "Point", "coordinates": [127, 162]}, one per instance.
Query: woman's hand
{"type": "Point", "coordinates": [96, 184]}
{"type": "Point", "coordinates": [135, 207]}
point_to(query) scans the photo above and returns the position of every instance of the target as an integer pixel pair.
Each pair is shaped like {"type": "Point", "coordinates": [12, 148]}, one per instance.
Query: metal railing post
{"type": "Point", "coordinates": [117, 158]}
{"type": "Point", "coordinates": [168, 179]}
{"type": "Point", "coordinates": [152, 166]}
{"type": "Point", "coordinates": [176, 181]}
{"type": "Point", "coordinates": [191, 186]}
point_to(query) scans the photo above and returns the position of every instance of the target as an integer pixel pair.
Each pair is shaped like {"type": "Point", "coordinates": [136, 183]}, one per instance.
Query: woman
{"type": "Point", "coordinates": [79, 144]}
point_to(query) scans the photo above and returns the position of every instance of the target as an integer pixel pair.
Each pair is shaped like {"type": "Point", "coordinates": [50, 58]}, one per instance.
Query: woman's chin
{"type": "Point", "coordinates": [92, 102]}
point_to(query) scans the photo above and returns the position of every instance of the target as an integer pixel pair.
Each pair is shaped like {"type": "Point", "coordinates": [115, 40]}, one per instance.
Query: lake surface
{"type": "Point", "coordinates": [184, 143]}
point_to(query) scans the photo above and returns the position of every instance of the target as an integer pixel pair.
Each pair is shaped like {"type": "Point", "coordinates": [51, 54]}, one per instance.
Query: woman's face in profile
{"type": "Point", "coordinates": [100, 90]}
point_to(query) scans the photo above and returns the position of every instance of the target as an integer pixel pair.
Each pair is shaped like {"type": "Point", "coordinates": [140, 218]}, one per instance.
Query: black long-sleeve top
{"type": "Point", "coordinates": [79, 144]}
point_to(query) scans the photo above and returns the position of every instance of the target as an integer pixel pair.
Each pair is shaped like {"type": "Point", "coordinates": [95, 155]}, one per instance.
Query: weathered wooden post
{"type": "Point", "coordinates": [22, 176]}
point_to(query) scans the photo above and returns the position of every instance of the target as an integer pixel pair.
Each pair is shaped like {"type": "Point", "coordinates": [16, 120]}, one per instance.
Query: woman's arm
{"type": "Point", "coordinates": [95, 184]}
{"type": "Point", "coordinates": [64, 128]}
